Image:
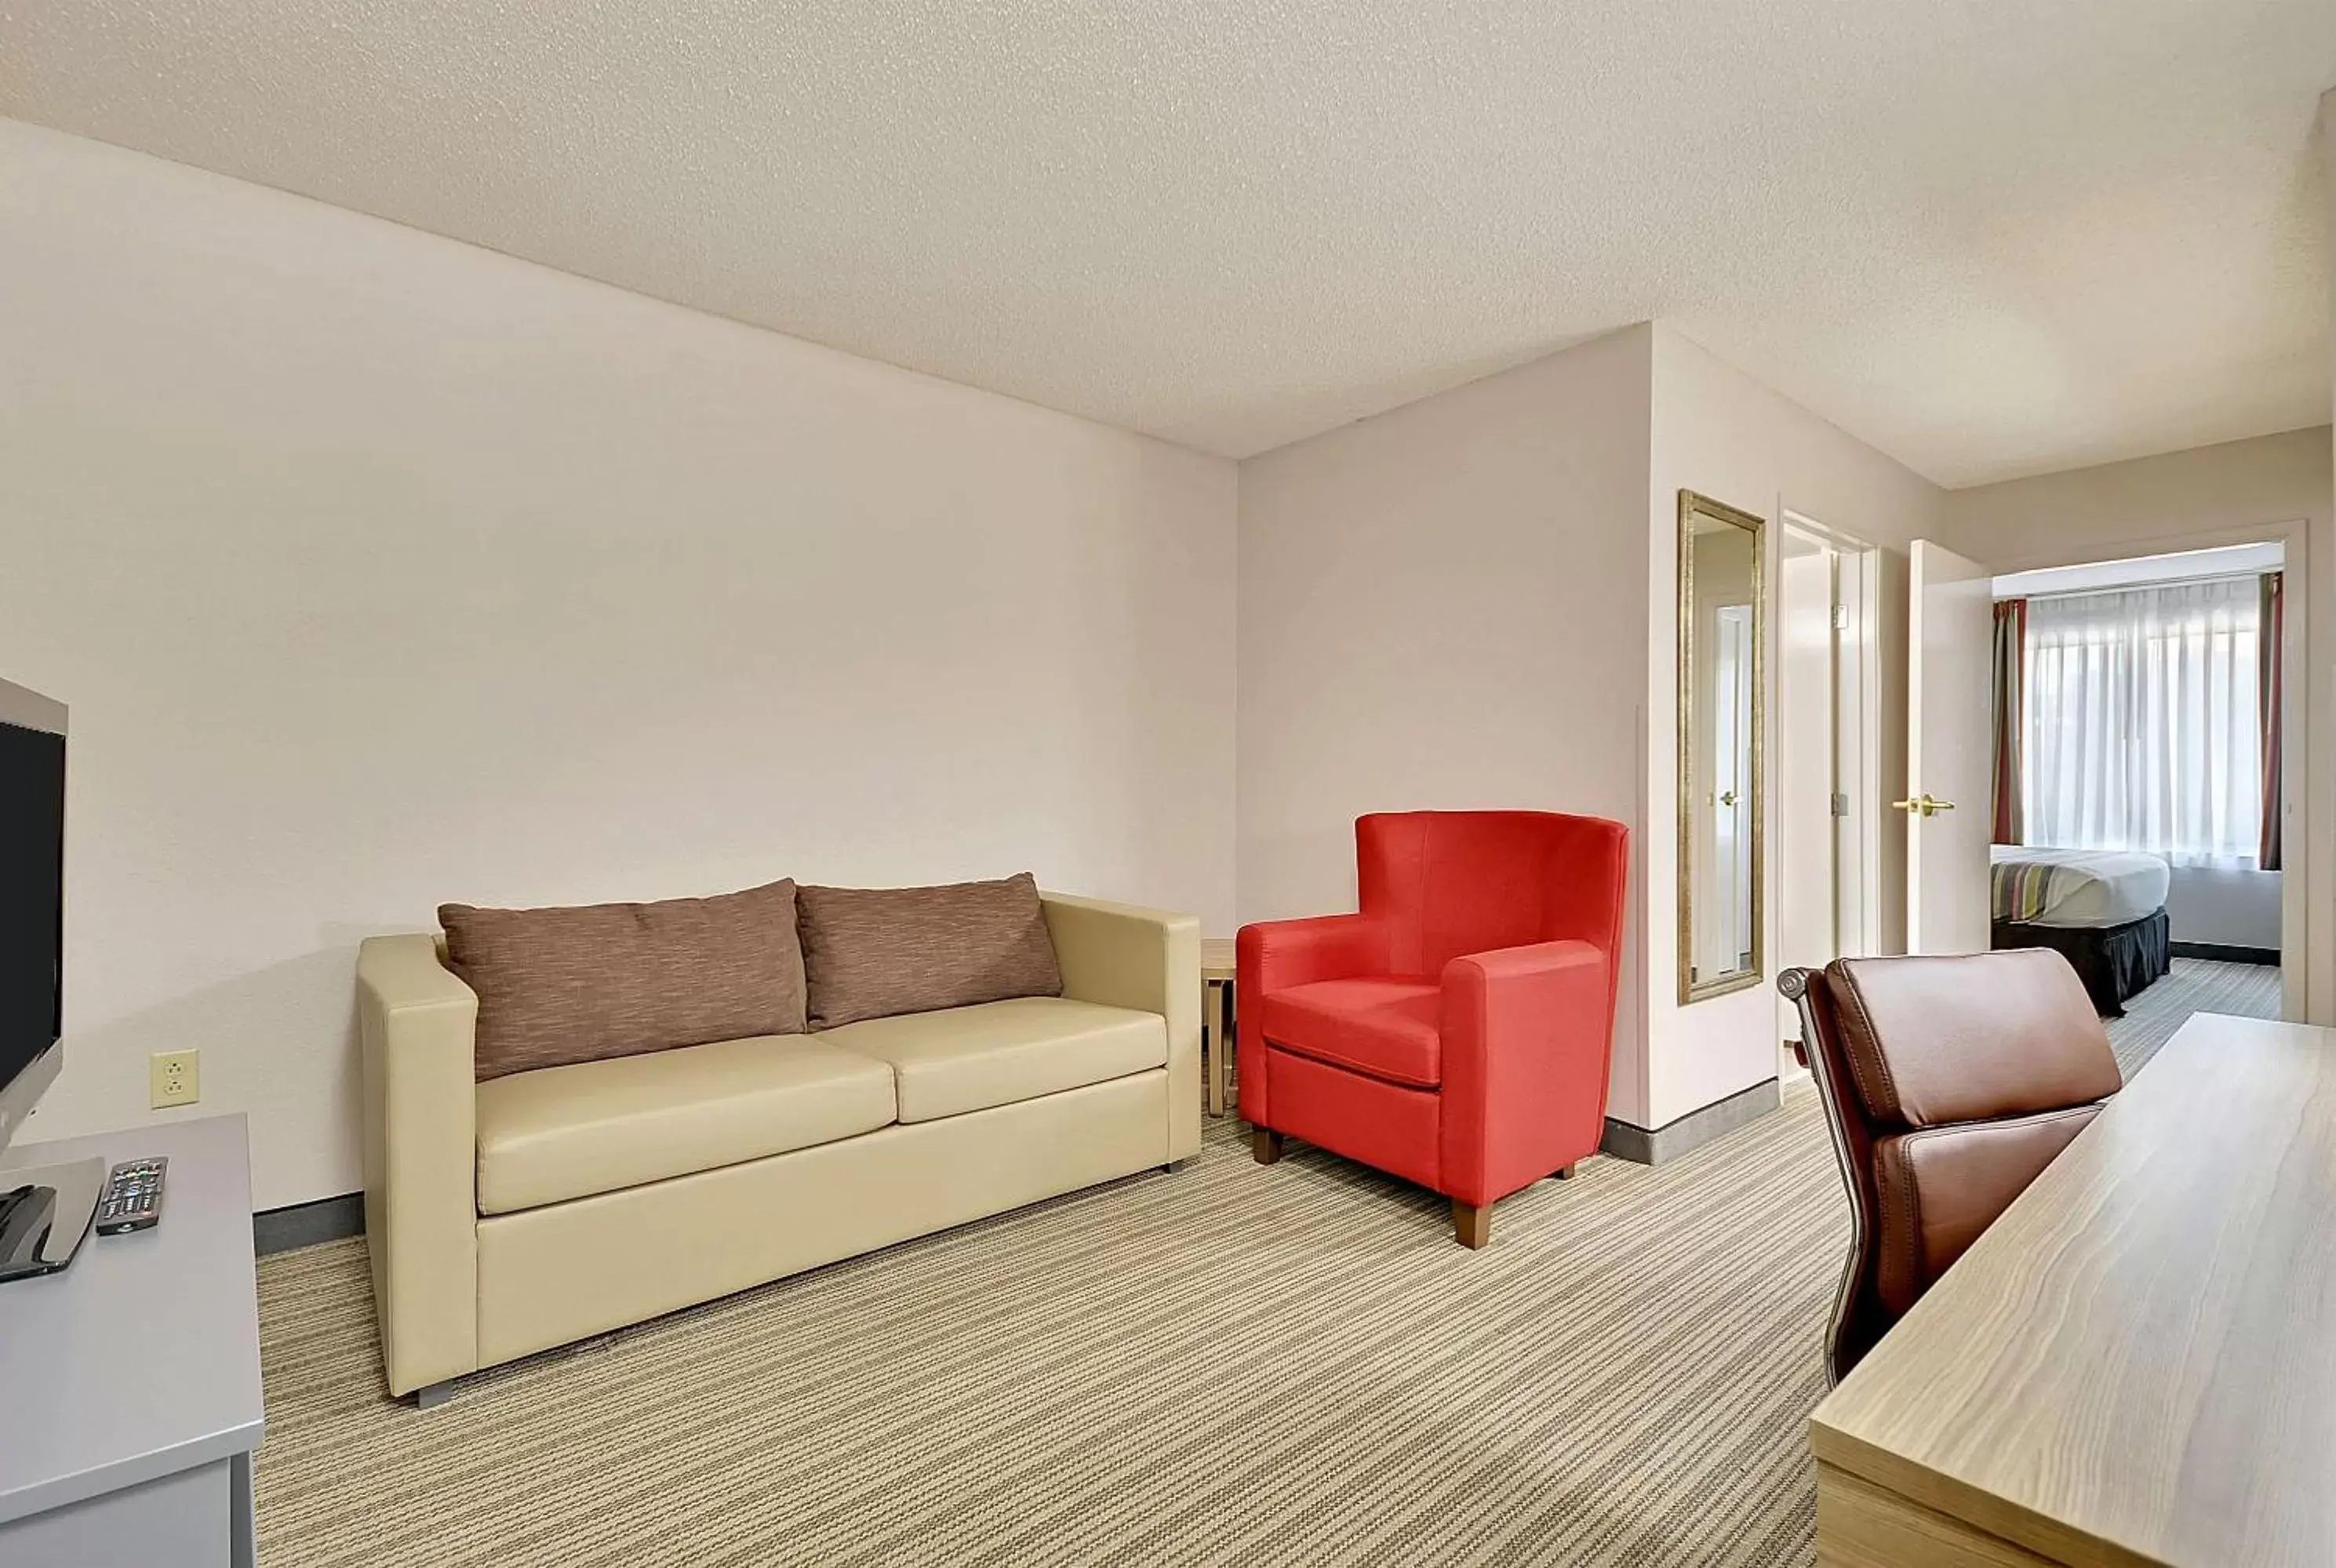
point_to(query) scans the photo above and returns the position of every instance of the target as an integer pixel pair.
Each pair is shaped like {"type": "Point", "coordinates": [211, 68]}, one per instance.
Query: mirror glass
{"type": "Point", "coordinates": [1721, 632]}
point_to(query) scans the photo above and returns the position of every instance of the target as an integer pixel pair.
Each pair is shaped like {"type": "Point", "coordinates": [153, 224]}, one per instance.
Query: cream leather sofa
{"type": "Point", "coordinates": [509, 1216]}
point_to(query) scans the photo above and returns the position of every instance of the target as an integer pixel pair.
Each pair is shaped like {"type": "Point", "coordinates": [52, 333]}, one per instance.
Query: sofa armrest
{"type": "Point", "coordinates": [1274, 955]}
{"type": "Point", "coordinates": [417, 1023]}
{"type": "Point", "coordinates": [1122, 956]}
{"type": "Point", "coordinates": [1528, 1036]}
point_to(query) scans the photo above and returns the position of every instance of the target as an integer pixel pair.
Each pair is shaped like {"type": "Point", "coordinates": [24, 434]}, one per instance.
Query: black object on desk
{"type": "Point", "coordinates": [133, 1196]}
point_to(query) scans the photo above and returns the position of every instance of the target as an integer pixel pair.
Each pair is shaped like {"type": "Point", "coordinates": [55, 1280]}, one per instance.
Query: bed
{"type": "Point", "coordinates": [2103, 909]}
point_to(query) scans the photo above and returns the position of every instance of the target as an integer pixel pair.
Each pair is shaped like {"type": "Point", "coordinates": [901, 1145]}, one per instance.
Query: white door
{"type": "Point", "coordinates": [1949, 750]}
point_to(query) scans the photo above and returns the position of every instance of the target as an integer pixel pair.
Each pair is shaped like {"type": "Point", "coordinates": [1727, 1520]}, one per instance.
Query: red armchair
{"type": "Point", "coordinates": [1458, 1031]}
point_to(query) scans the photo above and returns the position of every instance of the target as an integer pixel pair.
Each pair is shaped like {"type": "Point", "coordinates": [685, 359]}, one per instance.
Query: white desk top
{"type": "Point", "coordinates": [142, 1359]}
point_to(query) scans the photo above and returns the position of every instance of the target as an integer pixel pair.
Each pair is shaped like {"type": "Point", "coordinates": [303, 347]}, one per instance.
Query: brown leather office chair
{"type": "Point", "coordinates": [1949, 1084]}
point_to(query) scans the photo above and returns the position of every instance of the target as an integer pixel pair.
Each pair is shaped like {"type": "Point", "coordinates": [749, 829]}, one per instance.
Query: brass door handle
{"type": "Point", "coordinates": [1923, 805]}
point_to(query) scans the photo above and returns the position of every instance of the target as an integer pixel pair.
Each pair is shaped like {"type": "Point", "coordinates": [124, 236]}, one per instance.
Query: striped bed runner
{"type": "Point", "coordinates": [2024, 889]}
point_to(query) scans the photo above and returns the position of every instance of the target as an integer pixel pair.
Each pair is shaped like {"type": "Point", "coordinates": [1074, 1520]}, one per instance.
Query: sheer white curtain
{"type": "Point", "coordinates": [2142, 729]}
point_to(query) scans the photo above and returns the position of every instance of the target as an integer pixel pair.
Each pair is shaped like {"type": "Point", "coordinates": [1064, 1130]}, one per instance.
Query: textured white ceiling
{"type": "Point", "coordinates": [1991, 237]}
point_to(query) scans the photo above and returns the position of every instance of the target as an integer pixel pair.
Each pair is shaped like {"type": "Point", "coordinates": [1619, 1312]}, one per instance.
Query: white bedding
{"type": "Point", "coordinates": [2077, 888]}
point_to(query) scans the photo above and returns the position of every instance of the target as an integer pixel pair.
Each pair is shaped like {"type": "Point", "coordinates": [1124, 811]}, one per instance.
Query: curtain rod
{"type": "Point", "coordinates": [2145, 584]}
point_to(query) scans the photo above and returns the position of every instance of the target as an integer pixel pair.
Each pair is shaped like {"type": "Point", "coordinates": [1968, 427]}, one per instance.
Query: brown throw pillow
{"type": "Point", "coordinates": [577, 984]}
{"type": "Point", "coordinates": [872, 953]}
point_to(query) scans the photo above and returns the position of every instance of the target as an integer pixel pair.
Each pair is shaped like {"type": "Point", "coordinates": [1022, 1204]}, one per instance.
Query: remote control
{"type": "Point", "coordinates": [133, 1200]}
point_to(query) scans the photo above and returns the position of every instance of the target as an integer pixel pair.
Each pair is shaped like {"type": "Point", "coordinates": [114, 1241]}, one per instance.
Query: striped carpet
{"type": "Point", "coordinates": [2195, 986]}
{"type": "Point", "coordinates": [1227, 1365]}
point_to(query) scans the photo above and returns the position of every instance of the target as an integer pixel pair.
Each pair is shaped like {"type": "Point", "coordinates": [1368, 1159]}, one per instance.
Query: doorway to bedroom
{"type": "Point", "coordinates": [1826, 735]}
{"type": "Point", "coordinates": [2141, 784]}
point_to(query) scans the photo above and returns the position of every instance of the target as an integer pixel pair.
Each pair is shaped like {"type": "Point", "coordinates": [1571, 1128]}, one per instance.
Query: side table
{"type": "Point", "coordinates": [1216, 1000]}
{"type": "Point", "coordinates": [132, 1397]}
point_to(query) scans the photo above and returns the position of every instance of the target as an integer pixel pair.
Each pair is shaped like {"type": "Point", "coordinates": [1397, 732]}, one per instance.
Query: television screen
{"type": "Point", "coordinates": [32, 895]}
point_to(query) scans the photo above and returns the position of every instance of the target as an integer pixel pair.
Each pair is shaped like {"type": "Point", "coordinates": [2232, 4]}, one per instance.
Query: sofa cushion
{"type": "Point", "coordinates": [557, 986]}
{"type": "Point", "coordinates": [568, 1131]}
{"type": "Point", "coordinates": [994, 1053]}
{"type": "Point", "coordinates": [1388, 1027]}
{"type": "Point", "coordinates": [873, 952]}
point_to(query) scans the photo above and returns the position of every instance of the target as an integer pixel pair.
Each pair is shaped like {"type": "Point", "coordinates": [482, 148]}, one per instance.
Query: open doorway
{"type": "Point", "coordinates": [1827, 736]}
{"type": "Point", "coordinates": [2142, 786]}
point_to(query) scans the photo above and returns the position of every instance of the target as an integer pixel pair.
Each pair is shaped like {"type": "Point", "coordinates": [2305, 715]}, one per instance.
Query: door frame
{"type": "Point", "coordinates": [1858, 746]}
{"type": "Point", "coordinates": [1859, 757]}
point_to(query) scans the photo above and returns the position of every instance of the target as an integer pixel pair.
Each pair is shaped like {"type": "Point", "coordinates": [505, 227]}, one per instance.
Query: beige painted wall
{"type": "Point", "coordinates": [1718, 431]}
{"type": "Point", "coordinates": [379, 569]}
{"type": "Point", "coordinates": [1429, 618]}
{"type": "Point", "coordinates": [2239, 491]}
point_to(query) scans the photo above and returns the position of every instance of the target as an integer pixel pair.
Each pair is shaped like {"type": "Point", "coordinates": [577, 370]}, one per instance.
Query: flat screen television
{"type": "Point", "coordinates": [31, 899]}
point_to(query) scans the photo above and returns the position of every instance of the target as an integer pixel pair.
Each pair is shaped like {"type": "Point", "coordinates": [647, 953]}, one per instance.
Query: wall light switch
{"type": "Point", "coordinates": [174, 1077]}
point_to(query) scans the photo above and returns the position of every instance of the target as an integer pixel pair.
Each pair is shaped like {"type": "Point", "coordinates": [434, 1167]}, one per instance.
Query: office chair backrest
{"type": "Point", "coordinates": [1949, 1084]}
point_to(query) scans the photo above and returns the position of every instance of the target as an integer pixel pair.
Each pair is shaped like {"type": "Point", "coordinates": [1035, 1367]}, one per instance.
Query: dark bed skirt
{"type": "Point", "coordinates": [2115, 962]}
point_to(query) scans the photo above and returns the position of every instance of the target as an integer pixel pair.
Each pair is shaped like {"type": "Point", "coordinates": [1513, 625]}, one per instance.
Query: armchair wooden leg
{"type": "Point", "coordinates": [1264, 1145]}
{"type": "Point", "coordinates": [1472, 1225]}
{"type": "Point", "coordinates": [1565, 1172]}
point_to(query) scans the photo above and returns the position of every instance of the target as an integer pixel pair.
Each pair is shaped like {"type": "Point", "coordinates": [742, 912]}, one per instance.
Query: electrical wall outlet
{"type": "Point", "coordinates": [174, 1077]}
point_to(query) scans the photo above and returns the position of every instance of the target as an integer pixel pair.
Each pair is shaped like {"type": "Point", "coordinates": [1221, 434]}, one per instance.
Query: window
{"type": "Point", "coordinates": [2141, 725]}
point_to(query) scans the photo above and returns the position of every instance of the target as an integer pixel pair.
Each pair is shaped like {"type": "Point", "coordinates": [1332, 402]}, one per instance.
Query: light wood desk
{"type": "Point", "coordinates": [2137, 1364]}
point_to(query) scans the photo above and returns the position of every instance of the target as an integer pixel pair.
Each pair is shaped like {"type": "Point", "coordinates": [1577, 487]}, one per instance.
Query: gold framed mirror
{"type": "Point", "coordinates": [1722, 662]}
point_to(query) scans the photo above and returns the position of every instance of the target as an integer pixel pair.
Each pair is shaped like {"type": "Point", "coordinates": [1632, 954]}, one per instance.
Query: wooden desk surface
{"type": "Point", "coordinates": [1216, 957]}
{"type": "Point", "coordinates": [2137, 1364]}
